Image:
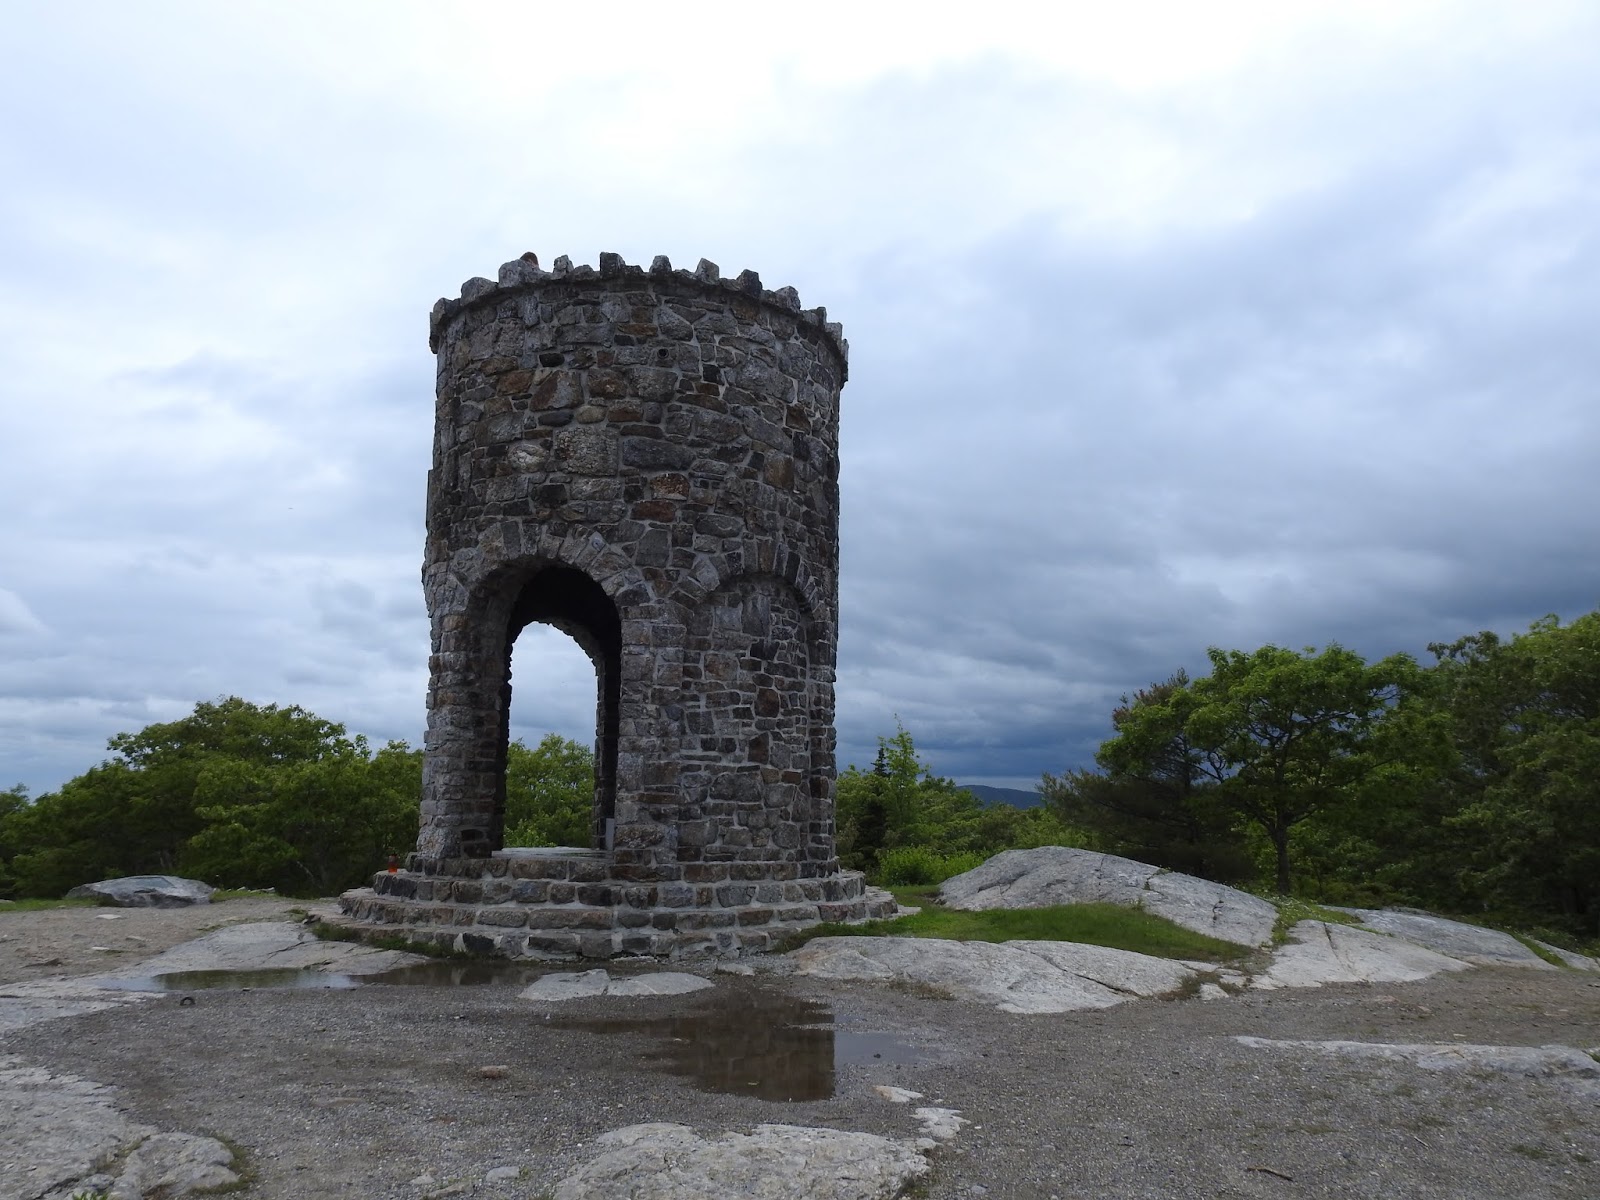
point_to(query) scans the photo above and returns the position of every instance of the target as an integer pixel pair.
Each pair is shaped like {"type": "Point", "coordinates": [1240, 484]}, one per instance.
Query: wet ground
{"type": "Point", "coordinates": [772, 1047]}
{"type": "Point", "coordinates": [357, 1091]}
{"type": "Point", "coordinates": [337, 1092]}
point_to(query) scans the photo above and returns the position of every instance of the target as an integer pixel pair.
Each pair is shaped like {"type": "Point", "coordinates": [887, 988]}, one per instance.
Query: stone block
{"type": "Point", "coordinates": [530, 891]}
{"type": "Point", "coordinates": [506, 916]}
{"type": "Point", "coordinates": [597, 945]}
{"type": "Point", "coordinates": [586, 870]}
{"type": "Point", "coordinates": [703, 919]}
{"type": "Point", "coordinates": [551, 945]}
{"type": "Point", "coordinates": [731, 895]}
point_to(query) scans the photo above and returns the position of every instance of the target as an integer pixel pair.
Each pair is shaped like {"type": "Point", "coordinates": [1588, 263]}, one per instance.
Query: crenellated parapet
{"type": "Point", "coordinates": [523, 273]}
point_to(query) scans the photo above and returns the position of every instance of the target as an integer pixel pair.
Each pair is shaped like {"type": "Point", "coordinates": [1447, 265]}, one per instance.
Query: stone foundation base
{"type": "Point", "coordinates": [565, 904]}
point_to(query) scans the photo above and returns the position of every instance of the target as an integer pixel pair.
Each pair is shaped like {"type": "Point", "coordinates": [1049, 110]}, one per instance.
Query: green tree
{"type": "Point", "coordinates": [1161, 804]}
{"type": "Point", "coordinates": [304, 828]}
{"type": "Point", "coordinates": [236, 793]}
{"type": "Point", "coordinates": [901, 802]}
{"type": "Point", "coordinates": [13, 833]}
{"type": "Point", "coordinates": [1281, 735]}
{"type": "Point", "coordinates": [549, 793]}
{"type": "Point", "coordinates": [1525, 718]}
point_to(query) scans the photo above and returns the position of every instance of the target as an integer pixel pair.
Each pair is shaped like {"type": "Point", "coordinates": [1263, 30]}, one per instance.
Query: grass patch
{"type": "Point", "coordinates": [920, 896]}
{"type": "Point", "coordinates": [1292, 910]}
{"type": "Point", "coordinates": [1549, 956]}
{"type": "Point", "coordinates": [35, 905]}
{"type": "Point", "coordinates": [1093, 924]}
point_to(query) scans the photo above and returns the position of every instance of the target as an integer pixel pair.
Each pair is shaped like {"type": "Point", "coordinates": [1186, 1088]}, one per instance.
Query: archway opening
{"type": "Point", "coordinates": [566, 600]}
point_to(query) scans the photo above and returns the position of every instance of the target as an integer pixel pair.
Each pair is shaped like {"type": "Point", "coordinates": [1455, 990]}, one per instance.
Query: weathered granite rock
{"type": "Point", "coordinates": [174, 1164]}
{"type": "Point", "coordinates": [24, 1004]}
{"type": "Point", "coordinates": [1319, 952]}
{"type": "Point", "coordinates": [1063, 875]}
{"type": "Point", "coordinates": [582, 985]}
{"type": "Point", "coordinates": [1469, 943]}
{"type": "Point", "coordinates": [1017, 977]}
{"type": "Point", "coordinates": [269, 945]}
{"type": "Point", "coordinates": [145, 891]}
{"type": "Point", "coordinates": [773, 1162]}
{"type": "Point", "coordinates": [1563, 1064]}
{"type": "Point", "coordinates": [1578, 962]}
{"type": "Point", "coordinates": [64, 1134]}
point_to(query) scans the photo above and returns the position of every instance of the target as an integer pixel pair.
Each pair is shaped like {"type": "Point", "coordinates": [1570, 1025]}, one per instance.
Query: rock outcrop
{"type": "Point", "coordinates": [776, 1162]}
{"type": "Point", "coordinates": [1016, 977]}
{"type": "Point", "coordinates": [270, 945]}
{"type": "Point", "coordinates": [1574, 1068]}
{"type": "Point", "coordinates": [1320, 952]}
{"type": "Point", "coordinates": [582, 985]}
{"type": "Point", "coordinates": [1469, 943]}
{"type": "Point", "coordinates": [75, 1140]}
{"type": "Point", "coordinates": [1062, 875]}
{"type": "Point", "coordinates": [145, 891]}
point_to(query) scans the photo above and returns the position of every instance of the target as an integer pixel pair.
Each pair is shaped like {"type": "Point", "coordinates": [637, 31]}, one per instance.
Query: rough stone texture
{"type": "Point", "coordinates": [1469, 943]}
{"type": "Point", "coordinates": [773, 1162]}
{"type": "Point", "coordinates": [28, 1003]}
{"type": "Point", "coordinates": [72, 1138]}
{"type": "Point", "coordinates": [1575, 1068]}
{"type": "Point", "coordinates": [145, 891]}
{"type": "Point", "coordinates": [648, 461]}
{"type": "Point", "coordinates": [1015, 977]}
{"type": "Point", "coordinates": [174, 1164]}
{"type": "Point", "coordinates": [265, 946]}
{"type": "Point", "coordinates": [1063, 875]}
{"type": "Point", "coordinates": [553, 908]}
{"type": "Point", "coordinates": [1578, 962]}
{"type": "Point", "coordinates": [1319, 952]}
{"type": "Point", "coordinates": [586, 984]}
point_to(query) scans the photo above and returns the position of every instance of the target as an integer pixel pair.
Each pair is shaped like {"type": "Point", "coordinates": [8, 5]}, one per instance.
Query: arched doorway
{"type": "Point", "coordinates": [568, 600]}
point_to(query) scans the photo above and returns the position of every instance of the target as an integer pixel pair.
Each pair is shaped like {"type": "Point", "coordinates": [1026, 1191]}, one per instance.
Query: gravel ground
{"type": "Point", "coordinates": [357, 1093]}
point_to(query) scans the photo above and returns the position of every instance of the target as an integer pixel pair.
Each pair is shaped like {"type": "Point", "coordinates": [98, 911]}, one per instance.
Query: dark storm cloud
{"type": "Point", "coordinates": [1335, 421]}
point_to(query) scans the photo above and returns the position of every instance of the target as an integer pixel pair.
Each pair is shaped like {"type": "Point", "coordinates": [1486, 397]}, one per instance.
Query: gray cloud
{"type": "Point", "coordinates": [1296, 349]}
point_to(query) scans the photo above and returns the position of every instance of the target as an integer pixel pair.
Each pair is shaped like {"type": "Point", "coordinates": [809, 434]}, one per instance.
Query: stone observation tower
{"type": "Point", "coordinates": [648, 461]}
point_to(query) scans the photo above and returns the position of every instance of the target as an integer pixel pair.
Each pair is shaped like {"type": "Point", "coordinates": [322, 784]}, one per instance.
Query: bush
{"type": "Point", "coordinates": [918, 866]}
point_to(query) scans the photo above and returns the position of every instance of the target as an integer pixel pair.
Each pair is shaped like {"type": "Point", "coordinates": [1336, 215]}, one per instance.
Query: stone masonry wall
{"type": "Point", "coordinates": [647, 459]}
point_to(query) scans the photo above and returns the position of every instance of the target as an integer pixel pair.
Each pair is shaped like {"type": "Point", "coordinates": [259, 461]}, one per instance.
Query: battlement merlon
{"type": "Point", "coordinates": [520, 275]}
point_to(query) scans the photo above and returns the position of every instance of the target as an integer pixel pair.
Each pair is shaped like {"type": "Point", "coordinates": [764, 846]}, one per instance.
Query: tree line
{"type": "Point", "coordinates": [260, 796]}
{"type": "Point", "coordinates": [1470, 785]}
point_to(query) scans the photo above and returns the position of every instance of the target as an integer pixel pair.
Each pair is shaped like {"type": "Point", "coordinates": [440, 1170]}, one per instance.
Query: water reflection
{"type": "Point", "coordinates": [746, 1042]}
{"type": "Point", "coordinates": [768, 1046]}
{"type": "Point", "coordinates": [195, 981]}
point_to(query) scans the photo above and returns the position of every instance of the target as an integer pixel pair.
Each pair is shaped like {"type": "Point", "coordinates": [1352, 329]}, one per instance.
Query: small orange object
{"type": "Point", "coordinates": [394, 863]}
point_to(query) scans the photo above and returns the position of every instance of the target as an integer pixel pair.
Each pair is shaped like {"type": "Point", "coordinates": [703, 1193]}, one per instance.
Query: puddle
{"type": "Point", "coordinates": [195, 981]}
{"type": "Point", "coordinates": [757, 1043]}
{"type": "Point", "coordinates": [428, 974]}
{"type": "Point", "coordinates": [771, 1047]}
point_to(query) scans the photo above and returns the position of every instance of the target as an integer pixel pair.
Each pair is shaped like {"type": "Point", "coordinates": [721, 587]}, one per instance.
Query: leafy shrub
{"type": "Point", "coordinates": [918, 866]}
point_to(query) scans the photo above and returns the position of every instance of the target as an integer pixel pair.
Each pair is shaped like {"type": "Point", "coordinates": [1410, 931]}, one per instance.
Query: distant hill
{"type": "Point", "coordinates": [1015, 797]}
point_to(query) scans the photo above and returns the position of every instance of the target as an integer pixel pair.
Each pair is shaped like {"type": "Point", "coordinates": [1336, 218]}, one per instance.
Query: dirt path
{"type": "Point", "coordinates": [359, 1093]}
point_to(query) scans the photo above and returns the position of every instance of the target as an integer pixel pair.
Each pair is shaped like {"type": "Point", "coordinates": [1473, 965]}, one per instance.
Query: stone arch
{"type": "Point", "coordinates": [470, 701]}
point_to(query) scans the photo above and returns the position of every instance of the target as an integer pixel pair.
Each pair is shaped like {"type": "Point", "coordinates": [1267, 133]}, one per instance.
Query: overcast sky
{"type": "Point", "coordinates": [1172, 325]}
